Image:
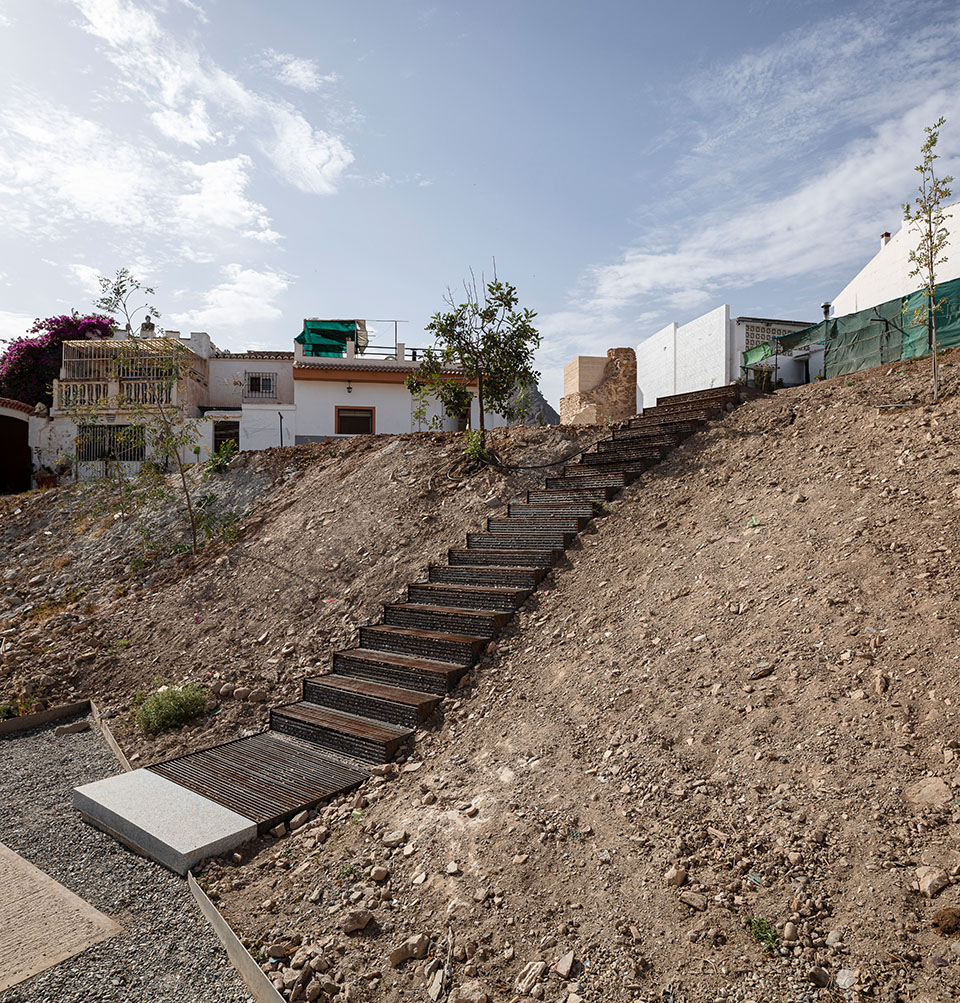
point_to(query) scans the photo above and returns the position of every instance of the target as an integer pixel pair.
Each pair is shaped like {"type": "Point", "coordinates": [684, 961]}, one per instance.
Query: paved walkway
{"type": "Point", "coordinates": [41, 922]}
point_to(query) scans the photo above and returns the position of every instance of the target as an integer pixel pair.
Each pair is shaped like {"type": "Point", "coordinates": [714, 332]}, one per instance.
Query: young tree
{"type": "Point", "coordinates": [489, 340]}
{"type": "Point", "coordinates": [927, 217]}
{"type": "Point", "coordinates": [154, 406]}
{"type": "Point", "coordinates": [116, 293]}
{"type": "Point", "coordinates": [30, 365]}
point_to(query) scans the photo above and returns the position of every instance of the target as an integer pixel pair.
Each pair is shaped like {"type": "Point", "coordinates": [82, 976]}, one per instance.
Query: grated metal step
{"type": "Point", "coordinates": [478, 623]}
{"type": "Point", "coordinates": [502, 577]}
{"type": "Point", "coordinates": [515, 541]}
{"type": "Point", "coordinates": [445, 649]}
{"type": "Point", "coordinates": [368, 698]}
{"type": "Point", "coordinates": [543, 558]}
{"type": "Point", "coordinates": [267, 778]}
{"type": "Point", "coordinates": [402, 666]}
{"type": "Point", "coordinates": [342, 734]}
{"type": "Point", "coordinates": [467, 597]}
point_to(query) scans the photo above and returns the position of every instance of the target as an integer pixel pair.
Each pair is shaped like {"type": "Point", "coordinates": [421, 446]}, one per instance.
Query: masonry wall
{"type": "Point", "coordinates": [599, 391]}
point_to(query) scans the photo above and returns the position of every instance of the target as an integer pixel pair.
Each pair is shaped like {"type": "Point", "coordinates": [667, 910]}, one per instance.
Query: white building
{"type": "Point", "coordinates": [886, 275]}
{"type": "Point", "coordinates": [335, 384]}
{"type": "Point", "coordinates": [708, 352]}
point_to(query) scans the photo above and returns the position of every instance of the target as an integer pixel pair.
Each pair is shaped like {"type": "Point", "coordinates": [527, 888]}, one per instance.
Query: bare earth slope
{"type": "Point", "coordinates": [739, 701]}
{"type": "Point", "coordinates": [746, 674]}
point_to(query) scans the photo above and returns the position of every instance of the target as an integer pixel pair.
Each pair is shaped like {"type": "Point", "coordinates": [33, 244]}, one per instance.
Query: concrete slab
{"type": "Point", "coordinates": [41, 922]}
{"type": "Point", "coordinates": [162, 820]}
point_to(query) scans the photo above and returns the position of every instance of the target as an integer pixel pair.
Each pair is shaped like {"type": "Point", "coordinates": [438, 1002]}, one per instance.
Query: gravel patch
{"type": "Point", "coordinates": [166, 951]}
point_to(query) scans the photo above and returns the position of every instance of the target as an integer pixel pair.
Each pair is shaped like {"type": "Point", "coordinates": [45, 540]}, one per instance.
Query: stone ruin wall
{"type": "Point", "coordinates": [612, 399]}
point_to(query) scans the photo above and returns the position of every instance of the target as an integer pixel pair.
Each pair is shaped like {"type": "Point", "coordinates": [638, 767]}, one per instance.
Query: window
{"type": "Point", "coordinates": [260, 385]}
{"type": "Point", "coordinates": [226, 431]}
{"type": "Point", "coordinates": [355, 420]}
{"type": "Point", "coordinates": [111, 442]}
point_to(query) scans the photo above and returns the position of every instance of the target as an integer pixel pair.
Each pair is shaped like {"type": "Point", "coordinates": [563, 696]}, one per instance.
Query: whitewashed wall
{"type": "Point", "coordinates": [681, 358]}
{"type": "Point", "coordinates": [887, 274]}
{"type": "Point", "coordinates": [317, 400]}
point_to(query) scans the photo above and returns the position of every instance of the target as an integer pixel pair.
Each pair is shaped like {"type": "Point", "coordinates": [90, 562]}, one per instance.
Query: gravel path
{"type": "Point", "coordinates": [166, 951]}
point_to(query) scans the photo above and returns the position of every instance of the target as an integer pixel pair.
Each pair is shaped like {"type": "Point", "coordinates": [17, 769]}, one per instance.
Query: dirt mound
{"type": "Point", "coordinates": [719, 758]}
{"type": "Point", "coordinates": [303, 546]}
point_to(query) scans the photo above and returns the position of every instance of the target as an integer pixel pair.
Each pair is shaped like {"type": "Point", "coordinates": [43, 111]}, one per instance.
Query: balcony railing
{"type": "Point", "coordinates": [82, 394]}
{"type": "Point", "coordinates": [145, 393]}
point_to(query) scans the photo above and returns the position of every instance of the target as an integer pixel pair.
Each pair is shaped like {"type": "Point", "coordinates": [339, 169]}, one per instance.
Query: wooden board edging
{"type": "Point", "coordinates": [254, 978]}
{"type": "Point", "coordinates": [108, 737]}
{"type": "Point", "coordinates": [27, 721]}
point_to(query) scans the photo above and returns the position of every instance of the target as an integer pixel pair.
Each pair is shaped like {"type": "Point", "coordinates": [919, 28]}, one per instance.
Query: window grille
{"type": "Point", "coordinates": [111, 442]}
{"type": "Point", "coordinates": [260, 385]}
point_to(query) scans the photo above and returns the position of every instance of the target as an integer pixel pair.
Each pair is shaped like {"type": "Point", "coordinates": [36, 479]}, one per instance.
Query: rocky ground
{"type": "Point", "coordinates": [716, 757]}
{"type": "Point", "coordinates": [305, 545]}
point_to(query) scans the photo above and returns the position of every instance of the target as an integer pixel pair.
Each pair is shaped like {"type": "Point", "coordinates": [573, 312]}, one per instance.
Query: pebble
{"type": "Point", "coordinates": [165, 952]}
{"type": "Point", "coordinates": [395, 837]}
{"type": "Point", "coordinates": [356, 919]}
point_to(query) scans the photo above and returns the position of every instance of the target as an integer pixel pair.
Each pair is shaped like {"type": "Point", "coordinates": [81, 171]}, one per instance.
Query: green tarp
{"type": "Point", "coordinates": [329, 337]}
{"type": "Point", "coordinates": [877, 336]}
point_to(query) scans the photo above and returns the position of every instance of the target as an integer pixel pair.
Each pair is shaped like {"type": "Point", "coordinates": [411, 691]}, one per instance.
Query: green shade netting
{"type": "Point", "coordinates": [877, 336]}
{"type": "Point", "coordinates": [329, 337]}
{"type": "Point", "coordinates": [916, 337]}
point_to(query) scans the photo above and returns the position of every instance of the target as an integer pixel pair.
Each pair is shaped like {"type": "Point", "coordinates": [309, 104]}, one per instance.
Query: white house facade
{"type": "Point", "coordinates": [335, 384]}
{"type": "Point", "coordinates": [708, 352]}
{"type": "Point", "coordinates": [886, 275]}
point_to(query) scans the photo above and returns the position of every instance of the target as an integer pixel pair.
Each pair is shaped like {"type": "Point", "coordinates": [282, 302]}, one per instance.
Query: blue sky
{"type": "Point", "coordinates": [626, 164]}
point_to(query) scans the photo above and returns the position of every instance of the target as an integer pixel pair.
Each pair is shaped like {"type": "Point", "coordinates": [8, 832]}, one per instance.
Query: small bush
{"type": "Point", "coordinates": [170, 707]}
{"type": "Point", "coordinates": [219, 460]}
{"type": "Point", "coordinates": [763, 932]}
{"type": "Point", "coordinates": [473, 448]}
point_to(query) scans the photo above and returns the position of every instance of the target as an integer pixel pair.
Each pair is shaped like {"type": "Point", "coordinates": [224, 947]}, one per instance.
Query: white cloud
{"type": "Point", "coordinates": [59, 171]}
{"type": "Point", "coordinates": [194, 101]}
{"type": "Point", "coordinates": [294, 71]}
{"type": "Point", "coordinates": [87, 277]}
{"type": "Point", "coordinates": [14, 325]}
{"type": "Point", "coordinates": [763, 189]}
{"type": "Point", "coordinates": [245, 296]}
{"type": "Point", "coordinates": [218, 199]}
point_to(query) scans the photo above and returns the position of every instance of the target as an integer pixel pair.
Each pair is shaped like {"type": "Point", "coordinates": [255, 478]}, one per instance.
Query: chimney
{"type": "Point", "coordinates": [825, 307]}
{"type": "Point", "coordinates": [884, 238]}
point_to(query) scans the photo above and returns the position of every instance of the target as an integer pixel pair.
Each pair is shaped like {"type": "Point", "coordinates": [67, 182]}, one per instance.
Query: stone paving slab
{"type": "Point", "coordinates": [161, 819]}
{"type": "Point", "coordinates": [41, 922]}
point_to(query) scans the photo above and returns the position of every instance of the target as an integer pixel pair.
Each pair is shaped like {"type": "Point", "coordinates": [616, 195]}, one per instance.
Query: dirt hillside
{"type": "Point", "coordinates": [716, 757]}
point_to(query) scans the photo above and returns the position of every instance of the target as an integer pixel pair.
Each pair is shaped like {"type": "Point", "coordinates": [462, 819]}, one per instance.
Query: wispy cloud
{"type": "Point", "coordinates": [244, 296]}
{"type": "Point", "coordinates": [14, 325]}
{"type": "Point", "coordinates": [195, 101]}
{"type": "Point", "coordinates": [763, 190]}
{"type": "Point", "coordinates": [294, 71]}
{"type": "Point", "coordinates": [61, 172]}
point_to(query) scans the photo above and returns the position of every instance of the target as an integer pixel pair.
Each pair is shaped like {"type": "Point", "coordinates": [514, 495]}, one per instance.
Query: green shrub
{"type": "Point", "coordinates": [220, 460]}
{"type": "Point", "coordinates": [763, 932]}
{"type": "Point", "coordinates": [473, 446]}
{"type": "Point", "coordinates": [170, 707]}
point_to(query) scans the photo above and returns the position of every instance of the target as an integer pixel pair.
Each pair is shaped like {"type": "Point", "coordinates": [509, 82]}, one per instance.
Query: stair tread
{"type": "Point", "coordinates": [505, 550]}
{"type": "Point", "coordinates": [493, 590]}
{"type": "Point", "coordinates": [380, 691]}
{"type": "Point", "coordinates": [417, 662]}
{"type": "Point", "coordinates": [338, 720]}
{"type": "Point", "coordinates": [424, 608]}
{"type": "Point", "coordinates": [487, 567]}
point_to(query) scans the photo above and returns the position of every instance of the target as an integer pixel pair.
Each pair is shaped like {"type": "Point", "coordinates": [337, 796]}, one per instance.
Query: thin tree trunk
{"type": "Point", "coordinates": [483, 431]}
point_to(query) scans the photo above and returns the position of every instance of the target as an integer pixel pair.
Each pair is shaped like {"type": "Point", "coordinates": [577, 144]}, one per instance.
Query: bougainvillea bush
{"type": "Point", "coordinates": [30, 365]}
